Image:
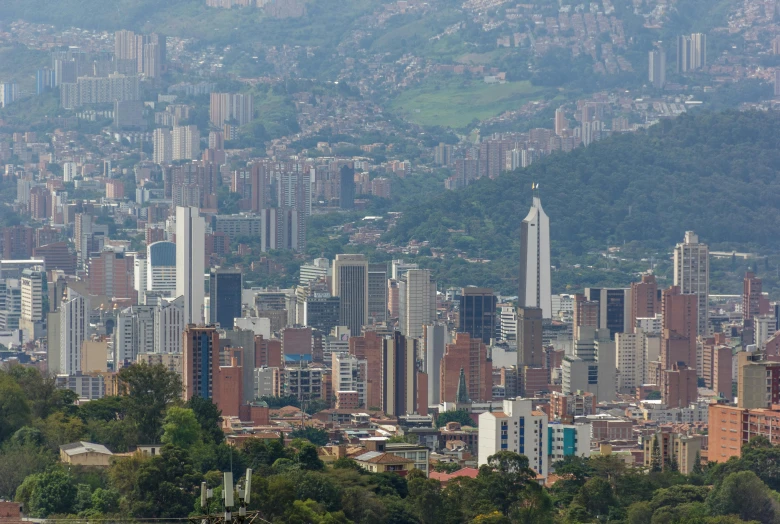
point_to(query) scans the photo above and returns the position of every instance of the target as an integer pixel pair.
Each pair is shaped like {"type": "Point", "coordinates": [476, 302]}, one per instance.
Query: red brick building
{"type": "Point", "coordinates": [471, 356]}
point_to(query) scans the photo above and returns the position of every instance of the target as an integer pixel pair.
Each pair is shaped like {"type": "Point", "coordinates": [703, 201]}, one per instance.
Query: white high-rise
{"type": "Point", "coordinates": [519, 428]}
{"type": "Point", "coordinates": [692, 275]}
{"type": "Point", "coordinates": [185, 143]}
{"type": "Point", "coordinates": [169, 326]}
{"type": "Point", "coordinates": [74, 329]}
{"type": "Point", "coordinates": [535, 287]}
{"type": "Point", "coordinates": [417, 302]}
{"type": "Point", "coordinates": [190, 257]}
{"type": "Point", "coordinates": [163, 146]}
{"type": "Point", "coordinates": [161, 268]}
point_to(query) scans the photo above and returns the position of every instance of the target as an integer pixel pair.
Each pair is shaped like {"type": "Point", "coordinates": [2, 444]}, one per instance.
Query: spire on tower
{"type": "Point", "coordinates": [462, 395]}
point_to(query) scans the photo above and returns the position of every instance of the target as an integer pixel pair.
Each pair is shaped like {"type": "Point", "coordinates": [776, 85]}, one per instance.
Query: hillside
{"type": "Point", "coordinates": [716, 174]}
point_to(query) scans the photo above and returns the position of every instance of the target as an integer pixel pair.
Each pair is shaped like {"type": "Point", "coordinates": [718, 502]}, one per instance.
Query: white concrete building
{"type": "Point", "coordinates": [73, 330]}
{"type": "Point", "coordinates": [417, 302]}
{"type": "Point", "coordinates": [190, 261]}
{"type": "Point", "coordinates": [168, 326]}
{"type": "Point", "coordinates": [517, 428]}
{"type": "Point", "coordinates": [535, 286]}
{"type": "Point", "coordinates": [565, 440]}
{"type": "Point", "coordinates": [692, 275]}
{"type": "Point", "coordinates": [349, 374]}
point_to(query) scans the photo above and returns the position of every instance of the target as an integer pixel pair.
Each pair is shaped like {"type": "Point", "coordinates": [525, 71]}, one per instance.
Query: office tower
{"type": "Point", "coordinates": [592, 365]}
{"type": "Point", "coordinates": [231, 108]}
{"type": "Point", "coordinates": [319, 268]}
{"type": "Point", "coordinates": [434, 340]}
{"type": "Point", "coordinates": [644, 300]}
{"type": "Point", "coordinates": [190, 257]}
{"type": "Point", "coordinates": [168, 326]}
{"type": "Point", "coordinates": [692, 275]}
{"type": "Point", "coordinates": [561, 124]}
{"type": "Point", "coordinates": [477, 315]}
{"type": "Point", "coordinates": [259, 182]}
{"type": "Point", "coordinates": [518, 428]}
{"type": "Point", "coordinates": [162, 141]}
{"type": "Point", "coordinates": [74, 321]}
{"type": "Point", "coordinates": [33, 286]}
{"type": "Point", "coordinates": [683, 53]}
{"type": "Point", "coordinates": [140, 273]}
{"type": "Point", "coordinates": [399, 375]}
{"type": "Point", "coordinates": [200, 361]}
{"type": "Point", "coordinates": [185, 143]}
{"type": "Point", "coordinates": [369, 348]}
{"type": "Point", "coordinates": [377, 293]}
{"type": "Point", "coordinates": [657, 68]}
{"type": "Point", "coordinates": [224, 296]}
{"type": "Point", "coordinates": [347, 187]}
{"type": "Point", "coordinates": [529, 338]}
{"type": "Point", "coordinates": [614, 308]}
{"type": "Point", "coordinates": [321, 311]}
{"type": "Point", "coordinates": [161, 268]}
{"type": "Point", "coordinates": [417, 302]}
{"type": "Point", "coordinates": [399, 268]}
{"type": "Point", "coordinates": [468, 356]}
{"type": "Point", "coordinates": [133, 334]}
{"type": "Point", "coordinates": [350, 284]}
{"type": "Point", "coordinates": [535, 290]}
{"type": "Point", "coordinates": [753, 301]}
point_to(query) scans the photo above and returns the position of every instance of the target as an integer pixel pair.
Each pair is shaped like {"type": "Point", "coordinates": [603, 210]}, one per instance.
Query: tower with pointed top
{"type": "Point", "coordinates": [462, 396]}
{"type": "Point", "coordinates": [535, 287]}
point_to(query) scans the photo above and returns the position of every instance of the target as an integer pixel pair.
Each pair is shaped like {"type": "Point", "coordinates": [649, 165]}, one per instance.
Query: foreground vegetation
{"type": "Point", "coordinates": [292, 485]}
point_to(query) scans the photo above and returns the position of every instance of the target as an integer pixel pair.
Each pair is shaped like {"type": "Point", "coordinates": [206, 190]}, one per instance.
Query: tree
{"type": "Point", "coordinates": [149, 390]}
{"type": "Point", "coordinates": [52, 493]}
{"type": "Point", "coordinates": [596, 497]}
{"type": "Point", "coordinates": [744, 494]}
{"type": "Point", "coordinates": [426, 500]}
{"type": "Point", "coordinates": [105, 501]}
{"type": "Point", "coordinates": [459, 416]}
{"type": "Point", "coordinates": [14, 409]}
{"type": "Point", "coordinates": [180, 427]}
{"type": "Point", "coordinates": [655, 456]}
{"type": "Point", "coordinates": [21, 457]}
{"type": "Point", "coordinates": [208, 415]}
{"type": "Point", "coordinates": [308, 459]}
{"type": "Point", "coordinates": [314, 435]}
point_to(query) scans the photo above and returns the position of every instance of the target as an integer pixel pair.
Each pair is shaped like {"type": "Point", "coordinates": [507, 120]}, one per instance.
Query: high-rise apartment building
{"type": "Point", "coordinates": [33, 287]}
{"type": "Point", "coordinates": [692, 275]}
{"type": "Point", "coordinates": [477, 315]}
{"type": "Point", "coordinates": [168, 326]}
{"type": "Point", "coordinates": [231, 108]}
{"type": "Point", "coordinates": [434, 341]}
{"type": "Point", "coordinates": [347, 187]}
{"type": "Point", "coordinates": [753, 301]}
{"type": "Point", "coordinates": [657, 68]}
{"type": "Point", "coordinates": [224, 296]}
{"type": "Point", "coordinates": [350, 284]}
{"type": "Point", "coordinates": [691, 52]}
{"type": "Point", "coordinates": [467, 355]}
{"type": "Point", "coordinates": [185, 143]}
{"type": "Point", "coordinates": [529, 337]}
{"type": "Point", "coordinates": [519, 428]}
{"type": "Point", "coordinates": [200, 361]}
{"type": "Point", "coordinates": [644, 300]}
{"type": "Point", "coordinates": [369, 349]}
{"type": "Point", "coordinates": [133, 334]}
{"type": "Point", "coordinates": [73, 330]}
{"type": "Point", "coordinates": [190, 261]}
{"type": "Point", "coordinates": [535, 290]}
{"type": "Point", "coordinates": [561, 124]}
{"type": "Point", "coordinates": [417, 302]}
{"type": "Point", "coordinates": [162, 141]}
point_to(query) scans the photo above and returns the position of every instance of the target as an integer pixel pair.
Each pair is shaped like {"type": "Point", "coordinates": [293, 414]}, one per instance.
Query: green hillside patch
{"type": "Point", "coordinates": [455, 102]}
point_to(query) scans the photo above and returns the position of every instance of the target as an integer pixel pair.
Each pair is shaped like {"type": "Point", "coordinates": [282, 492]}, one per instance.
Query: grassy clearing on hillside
{"type": "Point", "coordinates": [455, 102]}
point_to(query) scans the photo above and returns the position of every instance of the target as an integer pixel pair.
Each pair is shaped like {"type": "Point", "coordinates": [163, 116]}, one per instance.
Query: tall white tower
{"type": "Point", "coordinates": [74, 329]}
{"type": "Point", "coordinates": [535, 288]}
{"type": "Point", "coordinates": [692, 275]}
{"type": "Point", "coordinates": [417, 298]}
{"type": "Point", "coordinates": [190, 256]}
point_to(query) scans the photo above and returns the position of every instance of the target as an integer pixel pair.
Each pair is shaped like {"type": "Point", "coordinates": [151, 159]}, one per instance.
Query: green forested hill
{"type": "Point", "coordinates": [715, 173]}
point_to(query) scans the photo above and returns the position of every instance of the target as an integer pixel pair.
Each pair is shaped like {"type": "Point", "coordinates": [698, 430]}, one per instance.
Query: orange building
{"type": "Point", "coordinates": [731, 427]}
{"type": "Point", "coordinates": [471, 356]}
{"type": "Point", "coordinates": [644, 299]}
{"type": "Point", "coordinates": [228, 390]}
{"type": "Point", "coordinates": [369, 348]}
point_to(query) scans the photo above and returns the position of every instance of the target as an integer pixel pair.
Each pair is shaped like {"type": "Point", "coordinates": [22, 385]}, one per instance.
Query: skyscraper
{"type": "Point", "coordinates": [692, 275]}
{"type": "Point", "coordinates": [200, 361]}
{"type": "Point", "coordinates": [434, 341]}
{"type": "Point", "coordinates": [399, 375]}
{"type": "Point", "coordinates": [753, 301]}
{"type": "Point", "coordinates": [163, 146]}
{"type": "Point", "coordinates": [161, 268]}
{"type": "Point", "coordinates": [74, 329]}
{"type": "Point", "coordinates": [535, 290]}
{"type": "Point", "coordinates": [350, 284]}
{"type": "Point", "coordinates": [231, 107]}
{"type": "Point", "coordinates": [377, 293]}
{"type": "Point", "coordinates": [190, 257]}
{"type": "Point", "coordinates": [185, 143]}
{"type": "Point", "coordinates": [417, 297]}
{"type": "Point", "coordinates": [529, 337]}
{"type": "Point", "coordinates": [657, 68]}
{"type": "Point", "coordinates": [691, 52]}
{"type": "Point", "coordinates": [224, 296]}
{"type": "Point", "coordinates": [644, 300]}
{"type": "Point", "coordinates": [347, 187]}
{"type": "Point", "coordinates": [478, 313]}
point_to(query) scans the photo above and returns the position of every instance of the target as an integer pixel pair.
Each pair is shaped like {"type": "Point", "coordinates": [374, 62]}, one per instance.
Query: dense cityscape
{"type": "Point", "coordinates": [390, 262]}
